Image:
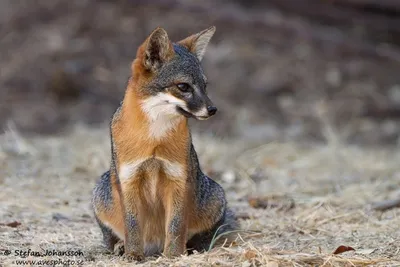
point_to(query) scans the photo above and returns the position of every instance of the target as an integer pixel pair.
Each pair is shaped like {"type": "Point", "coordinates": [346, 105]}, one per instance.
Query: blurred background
{"type": "Point", "coordinates": [278, 69]}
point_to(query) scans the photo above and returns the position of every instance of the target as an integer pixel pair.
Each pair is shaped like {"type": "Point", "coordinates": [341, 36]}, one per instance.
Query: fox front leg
{"type": "Point", "coordinates": [133, 245]}
{"type": "Point", "coordinates": [176, 220]}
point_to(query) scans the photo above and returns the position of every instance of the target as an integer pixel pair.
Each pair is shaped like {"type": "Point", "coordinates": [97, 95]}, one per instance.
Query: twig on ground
{"type": "Point", "coordinates": [386, 204]}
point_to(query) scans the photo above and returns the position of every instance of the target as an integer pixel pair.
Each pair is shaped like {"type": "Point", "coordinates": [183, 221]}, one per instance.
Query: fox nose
{"type": "Point", "coordinates": [211, 110]}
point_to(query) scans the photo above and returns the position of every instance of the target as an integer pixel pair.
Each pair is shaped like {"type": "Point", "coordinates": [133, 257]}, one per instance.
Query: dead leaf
{"type": "Point", "coordinates": [280, 202]}
{"type": "Point", "coordinates": [250, 254]}
{"type": "Point", "coordinates": [234, 244]}
{"type": "Point", "coordinates": [342, 249]}
{"type": "Point", "coordinates": [243, 215]}
{"type": "Point", "coordinates": [80, 169]}
{"type": "Point", "coordinates": [11, 224]}
{"type": "Point", "coordinates": [268, 162]}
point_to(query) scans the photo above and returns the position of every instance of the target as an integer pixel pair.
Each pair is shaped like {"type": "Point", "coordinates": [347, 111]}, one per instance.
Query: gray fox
{"type": "Point", "coordinates": [155, 199]}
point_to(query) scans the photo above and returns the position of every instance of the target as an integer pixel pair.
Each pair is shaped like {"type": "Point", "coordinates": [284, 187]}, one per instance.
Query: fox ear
{"type": "Point", "coordinates": [158, 49]}
{"type": "Point", "coordinates": [197, 43]}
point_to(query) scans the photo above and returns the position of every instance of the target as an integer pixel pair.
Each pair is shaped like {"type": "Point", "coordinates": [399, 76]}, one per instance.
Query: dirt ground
{"type": "Point", "coordinates": [308, 120]}
{"type": "Point", "coordinates": [46, 185]}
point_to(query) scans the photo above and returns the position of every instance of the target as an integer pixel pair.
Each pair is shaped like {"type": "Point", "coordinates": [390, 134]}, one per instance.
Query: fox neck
{"type": "Point", "coordinates": [151, 121]}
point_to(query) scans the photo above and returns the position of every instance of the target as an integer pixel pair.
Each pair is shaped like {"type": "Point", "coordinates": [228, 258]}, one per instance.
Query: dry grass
{"type": "Point", "coordinates": [46, 185]}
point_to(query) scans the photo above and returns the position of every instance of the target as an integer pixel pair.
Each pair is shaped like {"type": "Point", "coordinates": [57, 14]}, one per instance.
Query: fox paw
{"type": "Point", "coordinates": [119, 248]}
{"type": "Point", "coordinates": [132, 256]}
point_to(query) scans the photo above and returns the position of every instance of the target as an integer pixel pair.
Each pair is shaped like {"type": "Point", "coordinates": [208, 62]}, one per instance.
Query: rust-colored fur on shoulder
{"type": "Point", "coordinates": [155, 198]}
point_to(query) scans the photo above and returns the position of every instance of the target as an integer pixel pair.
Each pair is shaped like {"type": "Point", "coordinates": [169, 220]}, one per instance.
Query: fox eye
{"type": "Point", "coordinates": [184, 87]}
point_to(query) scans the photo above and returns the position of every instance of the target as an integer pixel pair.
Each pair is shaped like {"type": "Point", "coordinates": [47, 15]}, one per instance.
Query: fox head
{"type": "Point", "coordinates": [172, 81]}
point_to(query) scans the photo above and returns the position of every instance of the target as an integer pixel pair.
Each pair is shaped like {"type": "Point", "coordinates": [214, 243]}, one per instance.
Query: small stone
{"type": "Point", "coordinates": [59, 217]}
{"type": "Point", "coordinates": [228, 176]}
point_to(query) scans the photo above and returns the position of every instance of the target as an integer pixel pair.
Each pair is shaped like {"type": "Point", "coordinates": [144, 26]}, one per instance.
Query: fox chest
{"type": "Point", "coordinates": [151, 170]}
